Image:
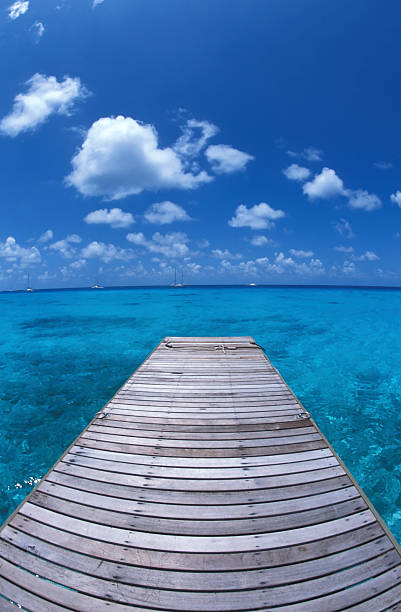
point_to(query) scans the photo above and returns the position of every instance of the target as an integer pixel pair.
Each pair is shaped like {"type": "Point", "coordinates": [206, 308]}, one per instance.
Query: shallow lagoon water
{"type": "Point", "coordinates": [64, 353]}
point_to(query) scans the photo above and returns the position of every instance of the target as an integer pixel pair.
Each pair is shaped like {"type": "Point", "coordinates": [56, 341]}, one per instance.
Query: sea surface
{"type": "Point", "coordinates": [63, 354]}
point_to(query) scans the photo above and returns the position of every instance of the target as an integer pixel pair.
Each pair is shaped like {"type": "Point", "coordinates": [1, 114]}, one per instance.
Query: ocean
{"type": "Point", "coordinates": [63, 354]}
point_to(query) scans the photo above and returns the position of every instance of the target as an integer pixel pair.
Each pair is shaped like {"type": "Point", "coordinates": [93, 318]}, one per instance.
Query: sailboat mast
{"type": "Point", "coordinates": [175, 276]}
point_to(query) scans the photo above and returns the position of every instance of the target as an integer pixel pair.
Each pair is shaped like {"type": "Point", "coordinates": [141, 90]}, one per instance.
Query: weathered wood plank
{"type": "Point", "coordinates": [198, 581]}
{"type": "Point", "coordinates": [213, 562]}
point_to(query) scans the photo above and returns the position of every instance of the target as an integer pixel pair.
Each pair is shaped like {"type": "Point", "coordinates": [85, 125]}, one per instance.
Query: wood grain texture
{"type": "Point", "coordinates": [203, 485]}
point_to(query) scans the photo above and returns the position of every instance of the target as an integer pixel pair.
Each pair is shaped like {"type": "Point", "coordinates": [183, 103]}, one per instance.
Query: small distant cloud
{"type": "Point", "coordinates": [38, 30]}
{"type": "Point", "coordinates": [301, 253]}
{"type": "Point", "coordinates": [296, 173]}
{"type": "Point", "coordinates": [226, 254]}
{"type": "Point", "coordinates": [78, 264]}
{"type": "Point", "coordinates": [96, 3]}
{"type": "Point", "coordinates": [163, 213]}
{"type": "Point", "coordinates": [115, 217]}
{"type": "Point", "coordinates": [343, 227]}
{"type": "Point", "coordinates": [362, 200]}
{"type": "Point", "coordinates": [172, 245]}
{"type": "Point", "coordinates": [203, 244]}
{"type": "Point", "coordinates": [367, 256]}
{"type": "Point", "coordinates": [324, 185]}
{"type": "Point", "coordinates": [311, 154]}
{"type": "Point", "coordinates": [225, 159]}
{"type": "Point", "coordinates": [106, 252]}
{"type": "Point", "coordinates": [45, 237]}
{"type": "Point", "coordinates": [64, 247]}
{"type": "Point", "coordinates": [259, 216]}
{"type": "Point", "coordinates": [396, 198]}
{"type": "Point", "coordinates": [327, 185]}
{"type": "Point", "coordinates": [12, 252]}
{"type": "Point", "coordinates": [344, 249]}
{"type": "Point", "coordinates": [383, 165]}
{"type": "Point", "coordinates": [18, 8]}
{"type": "Point", "coordinates": [194, 137]}
{"type": "Point", "coordinates": [261, 240]}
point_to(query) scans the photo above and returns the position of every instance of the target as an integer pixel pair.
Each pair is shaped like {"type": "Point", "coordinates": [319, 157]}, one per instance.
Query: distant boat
{"type": "Point", "coordinates": [175, 284]}
{"type": "Point", "coordinates": [97, 286]}
{"type": "Point", "coordinates": [29, 289]}
{"type": "Point", "coordinates": [252, 284]}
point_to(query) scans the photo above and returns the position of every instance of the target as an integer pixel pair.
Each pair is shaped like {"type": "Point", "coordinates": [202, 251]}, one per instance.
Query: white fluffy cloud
{"type": "Point", "coordinates": [259, 216]}
{"type": "Point", "coordinates": [362, 200]}
{"type": "Point", "coordinates": [96, 3]}
{"type": "Point", "coordinates": [349, 268]}
{"type": "Point", "coordinates": [226, 254]}
{"type": "Point", "coordinates": [260, 240]}
{"type": "Point", "coordinates": [367, 256]}
{"type": "Point", "coordinates": [45, 96]}
{"type": "Point", "coordinates": [314, 266]}
{"type": "Point", "coordinates": [224, 159]}
{"type": "Point", "coordinates": [328, 184]}
{"type": "Point", "coordinates": [163, 213]}
{"type": "Point", "coordinates": [195, 135]}
{"type": "Point", "coordinates": [324, 185]}
{"type": "Point", "coordinates": [121, 156]}
{"type": "Point", "coordinates": [115, 217]}
{"type": "Point", "coordinates": [172, 245]}
{"type": "Point", "coordinates": [301, 254]}
{"type": "Point", "coordinates": [11, 251]}
{"type": "Point", "coordinates": [396, 198]}
{"type": "Point", "coordinates": [296, 173]}
{"type": "Point", "coordinates": [65, 247]}
{"type": "Point", "coordinates": [18, 8]}
{"type": "Point", "coordinates": [106, 252]}
{"type": "Point", "coordinates": [45, 237]}
{"type": "Point", "coordinates": [78, 264]}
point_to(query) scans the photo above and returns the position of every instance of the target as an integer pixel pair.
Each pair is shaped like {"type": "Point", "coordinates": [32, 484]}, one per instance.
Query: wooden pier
{"type": "Point", "coordinates": [203, 485]}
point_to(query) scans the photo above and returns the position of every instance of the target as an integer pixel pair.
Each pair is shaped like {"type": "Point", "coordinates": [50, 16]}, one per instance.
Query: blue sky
{"type": "Point", "coordinates": [236, 140]}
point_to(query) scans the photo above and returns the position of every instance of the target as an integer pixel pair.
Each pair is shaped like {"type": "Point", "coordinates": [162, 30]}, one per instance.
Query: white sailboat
{"type": "Point", "coordinates": [29, 289]}
{"type": "Point", "coordinates": [97, 286]}
{"type": "Point", "coordinates": [175, 284]}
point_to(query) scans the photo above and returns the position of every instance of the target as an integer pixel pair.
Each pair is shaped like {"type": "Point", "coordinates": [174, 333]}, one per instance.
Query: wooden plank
{"type": "Point", "coordinates": [201, 544]}
{"type": "Point", "coordinates": [195, 581]}
{"type": "Point", "coordinates": [92, 433]}
{"type": "Point", "coordinates": [209, 512]}
{"type": "Point", "coordinates": [209, 473]}
{"type": "Point", "coordinates": [172, 484]}
{"type": "Point", "coordinates": [105, 426]}
{"type": "Point", "coordinates": [195, 527]}
{"type": "Point", "coordinates": [130, 491]}
{"type": "Point", "coordinates": [201, 452]}
{"type": "Point", "coordinates": [202, 462]}
{"type": "Point", "coordinates": [120, 593]}
{"type": "Point", "coordinates": [213, 562]}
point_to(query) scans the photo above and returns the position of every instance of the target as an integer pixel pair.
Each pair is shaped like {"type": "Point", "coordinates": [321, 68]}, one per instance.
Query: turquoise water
{"type": "Point", "coordinates": [64, 353]}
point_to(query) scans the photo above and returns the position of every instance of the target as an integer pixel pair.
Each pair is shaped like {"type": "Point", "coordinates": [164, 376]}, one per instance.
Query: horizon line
{"type": "Point", "coordinates": [224, 285]}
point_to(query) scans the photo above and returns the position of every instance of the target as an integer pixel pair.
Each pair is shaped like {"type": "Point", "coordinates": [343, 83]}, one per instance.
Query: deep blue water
{"type": "Point", "coordinates": [64, 353]}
